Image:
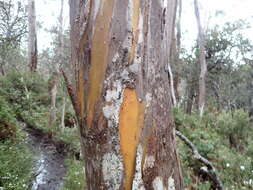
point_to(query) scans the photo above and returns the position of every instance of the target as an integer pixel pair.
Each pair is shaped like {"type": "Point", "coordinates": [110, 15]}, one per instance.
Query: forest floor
{"type": "Point", "coordinates": [49, 168]}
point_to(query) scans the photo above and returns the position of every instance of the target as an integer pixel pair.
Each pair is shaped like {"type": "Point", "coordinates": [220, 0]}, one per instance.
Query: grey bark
{"type": "Point", "coordinates": [63, 112]}
{"type": "Point", "coordinates": [32, 37]}
{"type": "Point", "coordinates": [202, 62]}
{"type": "Point", "coordinates": [53, 83]}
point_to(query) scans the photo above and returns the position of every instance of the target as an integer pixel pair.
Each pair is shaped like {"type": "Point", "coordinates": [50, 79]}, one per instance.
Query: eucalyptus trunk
{"type": "Point", "coordinates": [32, 37]}
{"type": "Point", "coordinates": [202, 62]}
{"type": "Point", "coordinates": [120, 51]}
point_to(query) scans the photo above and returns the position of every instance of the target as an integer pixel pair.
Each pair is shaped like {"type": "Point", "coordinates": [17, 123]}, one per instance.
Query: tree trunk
{"type": "Point", "coordinates": [2, 69]}
{"type": "Point", "coordinates": [63, 112]}
{"type": "Point", "coordinates": [120, 49]}
{"type": "Point", "coordinates": [52, 88]}
{"type": "Point", "coordinates": [53, 81]}
{"type": "Point", "coordinates": [178, 72]}
{"type": "Point", "coordinates": [190, 99]}
{"type": "Point", "coordinates": [60, 36]}
{"type": "Point", "coordinates": [32, 38]}
{"type": "Point", "coordinates": [202, 62]}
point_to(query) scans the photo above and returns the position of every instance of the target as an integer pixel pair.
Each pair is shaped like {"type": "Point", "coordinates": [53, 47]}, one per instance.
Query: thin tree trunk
{"type": "Point", "coordinates": [53, 81]}
{"type": "Point", "coordinates": [60, 36]}
{"type": "Point", "coordinates": [202, 62]}
{"type": "Point", "coordinates": [190, 100]}
{"type": "Point", "coordinates": [52, 88]}
{"type": "Point", "coordinates": [177, 46]}
{"type": "Point", "coordinates": [122, 100]}
{"type": "Point", "coordinates": [2, 70]}
{"type": "Point", "coordinates": [32, 38]}
{"type": "Point", "coordinates": [63, 112]}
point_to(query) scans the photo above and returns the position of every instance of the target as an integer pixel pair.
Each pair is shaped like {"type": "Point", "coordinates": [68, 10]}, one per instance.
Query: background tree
{"type": "Point", "coordinates": [32, 38]}
{"type": "Point", "coordinates": [54, 79]}
{"type": "Point", "coordinates": [202, 62]}
{"type": "Point", "coordinates": [13, 27]}
{"type": "Point", "coordinates": [122, 100]}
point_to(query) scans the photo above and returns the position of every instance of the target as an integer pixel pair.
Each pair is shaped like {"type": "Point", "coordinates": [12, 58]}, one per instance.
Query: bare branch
{"type": "Point", "coordinates": [212, 174]}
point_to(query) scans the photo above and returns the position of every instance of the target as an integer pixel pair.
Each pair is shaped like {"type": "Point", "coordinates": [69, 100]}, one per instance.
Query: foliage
{"type": "Point", "coordinates": [26, 97]}
{"type": "Point", "coordinates": [15, 167]}
{"type": "Point", "coordinates": [13, 27]}
{"type": "Point", "coordinates": [7, 121]}
{"type": "Point", "coordinates": [236, 127]}
{"type": "Point", "coordinates": [211, 134]}
{"type": "Point", "coordinates": [15, 157]}
{"type": "Point", "coordinates": [74, 178]}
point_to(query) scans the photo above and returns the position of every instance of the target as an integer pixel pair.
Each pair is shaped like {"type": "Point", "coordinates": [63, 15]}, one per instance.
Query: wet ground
{"type": "Point", "coordinates": [49, 167]}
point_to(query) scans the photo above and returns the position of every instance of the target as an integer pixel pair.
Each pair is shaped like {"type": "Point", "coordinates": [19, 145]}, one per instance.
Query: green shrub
{"type": "Point", "coordinates": [74, 178]}
{"type": "Point", "coordinates": [7, 121]}
{"type": "Point", "coordinates": [212, 135]}
{"type": "Point", "coordinates": [235, 127]}
{"type": "Point", "coordinates": [16, 165]}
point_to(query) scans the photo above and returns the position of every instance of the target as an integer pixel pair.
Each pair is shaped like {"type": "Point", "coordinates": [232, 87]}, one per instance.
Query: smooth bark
{"type": "Point", "coordinates": [177, 49]}
{"type": "Point", "coordinates": [32, 37]}
{"type": "Point", "coordinates": [53, 81]}
{"type": "Point", "coordinates": [202, 62]}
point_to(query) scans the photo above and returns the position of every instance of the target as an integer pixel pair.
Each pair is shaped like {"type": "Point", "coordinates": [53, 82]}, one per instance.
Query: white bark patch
{"type": "Point", "coordinates": [128, 39]}
{"type": "Point", "coordinates": [138, 182]}
{"type": "Point", "coordinates": [148, 98]}
{"type": "Point", "coordinates": [164, 3]}
{"type": "Point", "coordinates": [115, 57]}
{"type": "Point", "coordinates": [96, 8]}
{"type": "Point", "coordinates": [124, 75]}
{"type": "Point", "coordinates": [114, 99]}
{"type": "Point", "coordinates": [140, 27]}
{"type": "Point", "coordinates": [113, 95]}
{"type": "Point", "coordinates": [129, 14]}
{"type": "Point", "coordinates": [135, 66]}
{"type": "Point", "coordinates": [149, 162]}
{"type": "Point", "coordinates": [112, 169]}
{"type": "Point", "coordinates": [171, 184]}
{"type": "Point", "coordinates": [158, 183]}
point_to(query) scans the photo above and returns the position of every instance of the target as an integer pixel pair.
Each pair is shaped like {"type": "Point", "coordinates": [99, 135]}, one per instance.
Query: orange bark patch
{"type": "Point", "coordinates": [130, 124]}
{"type": "Point", "coordinates": [99, 55]}
{"type": "Point", "coordinates": [135, 22]}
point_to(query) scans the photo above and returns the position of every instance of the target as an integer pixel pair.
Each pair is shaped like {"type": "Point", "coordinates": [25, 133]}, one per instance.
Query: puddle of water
{"type": "Point", "coordinates": [49, 167]}
{"type": "Point", "coordinates": [41, 173]}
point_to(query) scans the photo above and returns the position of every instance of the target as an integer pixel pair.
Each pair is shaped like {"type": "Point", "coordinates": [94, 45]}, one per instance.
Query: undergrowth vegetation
{"type": "Point", "coordinates": [15, 157]}
{"type": "Point", "coordinates": [224, 139]}
{"type": "Point", "coordinates": [25, 98]}
{"type": "Point", "coordinates": [74, 178]}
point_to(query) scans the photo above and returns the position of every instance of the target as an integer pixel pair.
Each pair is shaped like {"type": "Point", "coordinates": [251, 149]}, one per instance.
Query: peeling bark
{"type": "Point", "coordinates": [32, 37]}
{"type": "Point", "coordinates": [120, 49]}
